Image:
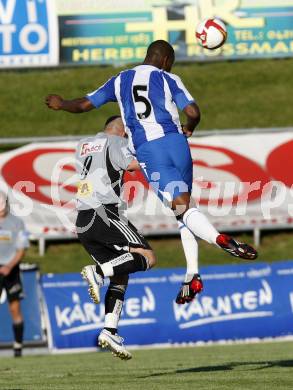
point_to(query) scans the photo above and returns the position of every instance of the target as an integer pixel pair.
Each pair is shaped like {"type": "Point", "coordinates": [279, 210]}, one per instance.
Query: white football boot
{"type": "Point", "coordinates": [95, 281]}
{"type": "Point", "coordinates": [114, 343]}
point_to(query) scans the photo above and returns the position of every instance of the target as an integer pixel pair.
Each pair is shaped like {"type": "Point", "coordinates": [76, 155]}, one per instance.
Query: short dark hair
{"type": "Point", "coordinates": [111, 118]}
{"type": "Point", "coordinates": [160, 47]}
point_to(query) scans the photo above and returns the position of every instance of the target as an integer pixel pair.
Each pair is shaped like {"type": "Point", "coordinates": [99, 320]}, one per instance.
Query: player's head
{"type": "Point", "coordinates": [114, 126]}
{"type": "Point", "coordinates": [4, 204]}
{"type": "Point", "coordinates": [160, 54]}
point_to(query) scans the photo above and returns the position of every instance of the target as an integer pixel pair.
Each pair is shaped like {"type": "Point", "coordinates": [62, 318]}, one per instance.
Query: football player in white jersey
{"type": "Point", "coordinates": [115, 245]}
{"type": "Point", "coordinates": [13, 242]}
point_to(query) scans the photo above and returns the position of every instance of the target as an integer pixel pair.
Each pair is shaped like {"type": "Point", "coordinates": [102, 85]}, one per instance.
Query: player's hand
{"type": "Point", "coordinates": [5, 270]}
{"type": "Point", "coordinates": [54, 102]}
{"type": "Point", "coordinates": [186, 132]}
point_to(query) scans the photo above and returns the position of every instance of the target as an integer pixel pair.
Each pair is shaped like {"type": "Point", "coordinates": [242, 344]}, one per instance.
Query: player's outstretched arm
{"type": "Point", "coordinates": [76, 106]}
{"type": "Point", "coordinates": [192, 113]}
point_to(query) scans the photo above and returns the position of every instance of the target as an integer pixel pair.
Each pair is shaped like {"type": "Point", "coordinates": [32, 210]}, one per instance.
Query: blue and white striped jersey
{"type": "Point", "coordinates": [148, 99]}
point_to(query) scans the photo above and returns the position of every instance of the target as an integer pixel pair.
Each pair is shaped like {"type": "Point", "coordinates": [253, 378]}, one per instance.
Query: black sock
{"type": "Point", "coordinates": [115, 292]}
{"type": "Point", "coordinates": [111, 330]}
{"type": "Point", "coordinates": [114, 299]}
{"type": "Point", "coordinates": [99, 271]}
{"type": "Point", "coordinates": [18, 332]}
{"type": "Point", "coordinates": [136, 262]}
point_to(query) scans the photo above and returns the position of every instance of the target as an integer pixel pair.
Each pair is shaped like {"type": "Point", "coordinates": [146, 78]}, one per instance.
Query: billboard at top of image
{"type": "Point", "coordinates": [28, 33]}
{"type": "Point", "coordinates": [120, 31]}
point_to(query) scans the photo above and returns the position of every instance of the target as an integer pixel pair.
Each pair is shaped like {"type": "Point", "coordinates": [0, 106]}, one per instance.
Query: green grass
{"type": "Point", "coordinates": [231, 95]}
{"type": "Point", "coordinates": [71, 256]}
{"type": "Point", "coordinates": [237, 367]}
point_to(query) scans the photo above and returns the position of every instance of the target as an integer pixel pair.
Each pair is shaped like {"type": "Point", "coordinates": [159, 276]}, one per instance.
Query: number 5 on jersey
{"type": "Point", "coordinates": [140, 98]}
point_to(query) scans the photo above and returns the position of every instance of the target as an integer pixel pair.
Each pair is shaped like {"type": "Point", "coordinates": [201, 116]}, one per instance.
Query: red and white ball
{"type": "Point", "coordinates": [211, 33]}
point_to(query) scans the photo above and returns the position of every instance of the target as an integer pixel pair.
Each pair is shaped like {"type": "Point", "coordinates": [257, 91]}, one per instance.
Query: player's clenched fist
{"type": "Point", "coordinates": [54, 102]}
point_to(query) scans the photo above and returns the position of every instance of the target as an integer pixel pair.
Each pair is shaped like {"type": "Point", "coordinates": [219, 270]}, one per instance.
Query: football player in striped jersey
{"type": "Point", "coordinates": [149, 97]}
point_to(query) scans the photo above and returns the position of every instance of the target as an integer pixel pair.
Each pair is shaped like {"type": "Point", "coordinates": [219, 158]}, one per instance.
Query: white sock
{"type": "Point", "coordinates": [200, 226]}
{"type": "Point", "coordinates": [190, 248]}
{"type": "Point", "coordinates": [112, 319]}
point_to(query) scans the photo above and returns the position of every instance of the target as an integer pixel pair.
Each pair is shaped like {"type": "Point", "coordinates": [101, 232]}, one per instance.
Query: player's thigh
{"type": "Point", "coordinates": [152, 155]}
{"type": "Point", "coordinates": [141, 241]}
{"type": "Point", "coordinates": [108, 236]}
{"type": "Point", "coordinates": [143, 247]}
{"type": "Point", "coordinates": [182, 159]}
{"type": "Point", "coordinates": [124, 237]}
{"type": "Point", "coordinates": [167, 177]}
{"type": "Point", "coordinates": [100, 238]}
{"type": "Point", "coordinates": [168, 182]}
{"type": "Point", "coordinates": [13, 285]}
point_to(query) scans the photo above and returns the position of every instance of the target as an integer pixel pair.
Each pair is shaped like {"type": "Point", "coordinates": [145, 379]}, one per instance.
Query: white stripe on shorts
{"type": "Point", "coordinates": [127, 235]}
{"type": "Point", "coordinates": [135, 236]}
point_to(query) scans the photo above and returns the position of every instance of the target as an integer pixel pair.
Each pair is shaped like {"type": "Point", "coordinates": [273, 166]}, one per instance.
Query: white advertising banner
{"type": "Point", "coordinates": [240, 182]}
{"type": "Point", "coordinates": [29, 33]}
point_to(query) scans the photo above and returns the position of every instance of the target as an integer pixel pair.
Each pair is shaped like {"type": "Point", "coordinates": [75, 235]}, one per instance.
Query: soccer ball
{"type": "Point", "coordinates": [211, 33]}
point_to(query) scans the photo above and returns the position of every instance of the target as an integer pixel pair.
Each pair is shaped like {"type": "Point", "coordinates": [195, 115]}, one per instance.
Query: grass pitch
{"type": "Point", "coordinates": [242, 94]}
{"type": "Point", "coordinates": [72, 257]}
{"type": "Point", "coordinates": [261, 366]}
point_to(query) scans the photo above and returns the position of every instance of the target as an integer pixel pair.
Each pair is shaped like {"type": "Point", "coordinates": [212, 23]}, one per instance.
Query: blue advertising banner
{"type": "Point", "coordinates": [239, 302]}
{"type": "Point", "coordinates": [28, 33]}
{"type": "Point", "coordinates": [119, 31]}
{"type": "Point", "coordinates": [30, 306]}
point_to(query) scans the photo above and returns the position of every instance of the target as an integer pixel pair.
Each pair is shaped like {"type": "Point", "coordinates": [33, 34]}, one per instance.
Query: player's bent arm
{"type": "Point", "coordinates": [75, 106]}
{"type": "Point", "coordinates": [133, 166]}
{"type": "Point", "coordinates": [6, 269]}
{"type": "Point", "coordinates": [192, 113]}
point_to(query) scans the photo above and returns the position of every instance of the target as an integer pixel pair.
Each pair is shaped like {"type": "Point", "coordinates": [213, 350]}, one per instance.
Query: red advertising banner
{"type": "Point", "coordinates": [240, 182]}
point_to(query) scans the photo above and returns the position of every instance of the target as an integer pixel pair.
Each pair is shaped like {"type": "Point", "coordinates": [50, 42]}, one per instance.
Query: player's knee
{"type": "Point", "coordinates": [148, 254]}
{"type": "Point", "coordinates": [181, 204]}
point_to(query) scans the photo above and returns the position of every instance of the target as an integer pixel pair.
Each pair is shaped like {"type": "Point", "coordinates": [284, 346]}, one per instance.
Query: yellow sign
{"type": "Point", "coordinates": [84, 188]}
{"type": "Point", "coordinates": [161, 26]}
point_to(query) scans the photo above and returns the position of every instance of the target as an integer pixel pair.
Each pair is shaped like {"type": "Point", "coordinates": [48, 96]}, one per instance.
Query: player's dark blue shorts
{"type": "Point", "coordinates": [167, 165]}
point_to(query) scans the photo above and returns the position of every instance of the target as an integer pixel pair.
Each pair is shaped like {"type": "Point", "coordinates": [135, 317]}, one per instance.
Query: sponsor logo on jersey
{"type": "Point", "coordinates": [92, 147]}
{"type": "Point", "coordinates": [5, 235]}
{"type": "Point", "coordinates": [84, 188]}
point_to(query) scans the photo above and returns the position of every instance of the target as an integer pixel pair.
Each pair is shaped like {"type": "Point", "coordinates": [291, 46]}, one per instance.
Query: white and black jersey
{"type": "Point", "coordinates": [100, 162]}
{"type": "Point", "coordinates": [101, 226]}
{"type": "Point", "coordinates": [13, 237]}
